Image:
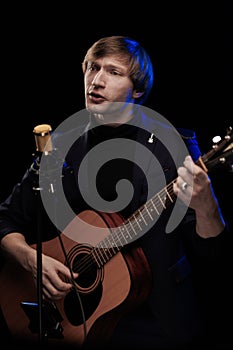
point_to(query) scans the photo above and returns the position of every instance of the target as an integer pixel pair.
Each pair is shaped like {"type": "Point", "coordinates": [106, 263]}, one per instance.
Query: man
{"type": "Point", "coordinates": [167, 224]}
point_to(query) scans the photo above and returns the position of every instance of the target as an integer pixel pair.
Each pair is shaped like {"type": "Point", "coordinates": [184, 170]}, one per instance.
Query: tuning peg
{"type": "Point", "coordinates": [216, 139]}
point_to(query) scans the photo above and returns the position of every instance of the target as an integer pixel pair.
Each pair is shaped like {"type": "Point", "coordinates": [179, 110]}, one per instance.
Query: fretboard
{"type": "Point", "coordinates": [134, 226]}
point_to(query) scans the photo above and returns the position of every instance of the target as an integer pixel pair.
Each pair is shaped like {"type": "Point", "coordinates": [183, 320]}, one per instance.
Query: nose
{"type": "Point", "coordinates": [98, 79]}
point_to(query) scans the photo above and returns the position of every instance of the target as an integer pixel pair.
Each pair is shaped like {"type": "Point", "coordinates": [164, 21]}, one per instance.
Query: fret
{"type": "Point", "coordinates": [171, 200]}
{"type": "Point", "coordinates": [97, 258]}
{"type": "Point", "coordinates": [114, 245]}
{"type": "Point", "coordinates": [129, 236]}
{"type": "Point", "coordinates": [118, 234]}
{"type": "Point", "coordinates": [104, 252]}
{"type": "Point", "coordinates": [162, 201]}
{"type": "Point", "coordinates": [109, 250]}
{"type": "Point", "coordinates": [135, 218]}
{"type": "Point", "coordinates": [132, 227]}
{"type": "Point", "coordinates": [148, 213]}
{"type": "Point", "coordinates": [154, 206]}
{"type": "Point", "coordinates": [100, 251]}
{"type": "Point", "coordinates": [143, 217]}
{"type": "Point", "coordinates": [122, 229]}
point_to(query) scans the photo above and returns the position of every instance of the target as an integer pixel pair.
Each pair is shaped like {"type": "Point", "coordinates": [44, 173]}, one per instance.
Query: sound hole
{"type": "Point", "coordinates": [87, 269]}
{"type": "Point", "coordinates": [87, 292]}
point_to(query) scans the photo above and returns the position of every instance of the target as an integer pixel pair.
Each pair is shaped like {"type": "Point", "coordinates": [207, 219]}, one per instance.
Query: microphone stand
{"type": "Point", "coordinates": [41, 328]}
{"type": "Point", "coordinates": [43, 145]}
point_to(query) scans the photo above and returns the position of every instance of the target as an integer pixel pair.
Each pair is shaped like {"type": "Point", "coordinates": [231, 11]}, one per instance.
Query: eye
{"type": "Point", "coordinates": [91, 67]}
{"type": "Point", "coordinates": [114, 72]}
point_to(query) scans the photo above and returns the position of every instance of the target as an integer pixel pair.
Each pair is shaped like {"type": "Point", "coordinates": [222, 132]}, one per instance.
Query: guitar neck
{"type": "Point", "coordinates": [132, 228]}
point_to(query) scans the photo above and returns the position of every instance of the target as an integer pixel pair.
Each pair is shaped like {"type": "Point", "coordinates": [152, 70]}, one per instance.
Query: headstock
{"type": "Point", "coordinates": [221, 153]}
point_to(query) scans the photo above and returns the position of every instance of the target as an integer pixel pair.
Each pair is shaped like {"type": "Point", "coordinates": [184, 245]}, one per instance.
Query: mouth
{"type": "Point", "coordinates": [95, 97]}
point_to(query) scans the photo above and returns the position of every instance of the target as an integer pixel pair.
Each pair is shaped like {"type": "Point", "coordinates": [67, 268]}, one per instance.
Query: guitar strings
{"type": "Point", "coordinates": [112, 244]}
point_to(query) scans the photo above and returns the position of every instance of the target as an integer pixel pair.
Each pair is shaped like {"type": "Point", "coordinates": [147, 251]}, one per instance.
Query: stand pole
{"type": "Point", "coordinates": [43, 145]}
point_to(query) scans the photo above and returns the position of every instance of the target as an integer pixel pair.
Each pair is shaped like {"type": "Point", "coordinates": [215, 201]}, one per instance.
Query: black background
{"type": "Point", "coordinates": [190, 44]}
{"type": "Point", "coordinates": [42, 82]}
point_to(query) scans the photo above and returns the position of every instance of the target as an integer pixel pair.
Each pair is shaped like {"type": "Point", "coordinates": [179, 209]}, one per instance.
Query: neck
{"type": "Point", "coordinates": [119, 114]}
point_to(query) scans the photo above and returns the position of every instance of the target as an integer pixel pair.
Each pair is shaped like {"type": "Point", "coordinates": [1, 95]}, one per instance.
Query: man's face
{"type": "Point", "coordinates": [107, 82]}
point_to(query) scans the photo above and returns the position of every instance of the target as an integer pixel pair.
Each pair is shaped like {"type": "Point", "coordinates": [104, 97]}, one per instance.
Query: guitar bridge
{"type": "Point", "coordinates": [51, 319]}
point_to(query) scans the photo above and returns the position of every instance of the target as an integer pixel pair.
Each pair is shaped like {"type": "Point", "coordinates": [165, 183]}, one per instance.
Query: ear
{"type": "Point", "coordinates": [137, 94]}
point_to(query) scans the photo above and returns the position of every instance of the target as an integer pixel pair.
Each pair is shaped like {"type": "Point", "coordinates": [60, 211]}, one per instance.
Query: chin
{"type": "Point", "coordinates": [96, 109]}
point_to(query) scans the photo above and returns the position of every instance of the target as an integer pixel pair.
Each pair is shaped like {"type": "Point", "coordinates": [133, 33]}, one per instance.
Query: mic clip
{"type": "Point", "coordinates": [151, 138]}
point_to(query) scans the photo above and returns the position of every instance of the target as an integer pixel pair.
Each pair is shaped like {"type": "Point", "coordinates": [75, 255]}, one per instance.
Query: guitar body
{"type": "Point", "coordinates": [106, 291]}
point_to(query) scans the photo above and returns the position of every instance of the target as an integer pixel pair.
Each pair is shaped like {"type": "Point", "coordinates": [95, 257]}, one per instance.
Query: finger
{"type": "Point", "coordinates": [52, 294]}
{"type": "Point", "coordinates": [65, 271]}
{"type": "Point", "coordinates": [184, 186]}
{"type": "Point", "coordinates": [196, 171]}
{"type": "Point", "coordinates": [59, 283]}
{"type": "Point", "coordinates": [189, 164]}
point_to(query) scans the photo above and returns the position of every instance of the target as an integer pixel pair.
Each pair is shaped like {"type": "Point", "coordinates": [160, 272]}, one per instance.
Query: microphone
{"type": "Point", "coordinates": [43, 138]}
{"type": "Point", "coordinates": [47, 167]}
{"type": "Point", "coordinates": [42, 134]}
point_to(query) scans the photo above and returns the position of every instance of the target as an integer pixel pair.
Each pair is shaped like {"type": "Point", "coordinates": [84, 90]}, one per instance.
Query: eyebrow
{"type": "Point", "coordinates": [122, 67]}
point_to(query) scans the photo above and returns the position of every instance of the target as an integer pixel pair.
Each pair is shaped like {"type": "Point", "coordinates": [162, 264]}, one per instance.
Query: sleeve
{"type": "Point", "coordinates": [207, 250]}
{"type": "Point", "coordinates": [23, 209]}
{"type": "Point", "coordinates": [190, 140]}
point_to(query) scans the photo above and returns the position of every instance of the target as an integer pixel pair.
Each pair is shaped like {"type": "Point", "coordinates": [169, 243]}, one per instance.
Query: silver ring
{"type": "Point", "coordinates": [184, 186]}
